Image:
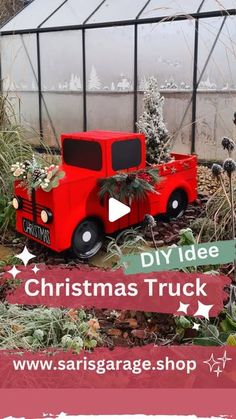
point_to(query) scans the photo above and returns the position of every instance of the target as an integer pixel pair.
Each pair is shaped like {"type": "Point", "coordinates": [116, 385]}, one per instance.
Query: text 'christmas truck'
{"type": "Point", "coordinates": [73, 215]}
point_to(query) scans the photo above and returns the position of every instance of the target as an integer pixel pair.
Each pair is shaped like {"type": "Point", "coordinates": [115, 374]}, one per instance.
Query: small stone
{"type": "Point", "coordinates": [170, 239]}
{"type": "Point", "coordinates": [166, 225]}
{"type": "Point", "coordinates": [190, 211]}
{"type": "Point", "coordinates": [160, 243]}
{"type": "Point", "coordinates": [139, 333]}
{"type": "Point", "coordinates": [175, 226]}
{"type": "Point", "coordinates": [176, 230]}
{"type": "Point", "coordinates": [127, 323]}
{"type": "Point", "coordinates": [132, 323]}
{"type": "Point", "coordinates": [114, 332]}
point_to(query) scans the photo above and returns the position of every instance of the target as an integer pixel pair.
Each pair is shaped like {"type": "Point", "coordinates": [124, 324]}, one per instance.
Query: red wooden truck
{"type": "Point", "coordinates": [72, 215]}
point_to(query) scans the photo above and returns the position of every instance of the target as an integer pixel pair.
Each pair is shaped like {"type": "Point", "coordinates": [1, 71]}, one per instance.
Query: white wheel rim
{"type": "Point", "coordinates": [86, 237]}
{"type": "Point", "coordinates": [175, 204]}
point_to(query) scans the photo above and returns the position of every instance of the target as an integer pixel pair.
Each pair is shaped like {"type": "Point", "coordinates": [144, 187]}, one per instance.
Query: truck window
{"type": "Point", "coordinates": [126, 154]}
{"type": "Point", "coordinates": [83, 154]}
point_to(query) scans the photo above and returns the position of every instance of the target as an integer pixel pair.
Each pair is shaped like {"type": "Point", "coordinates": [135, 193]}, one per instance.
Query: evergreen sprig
{"type": "Point", "coordinates": [129, 186]}
{"type": "Point", "coordinates": [34, 176]}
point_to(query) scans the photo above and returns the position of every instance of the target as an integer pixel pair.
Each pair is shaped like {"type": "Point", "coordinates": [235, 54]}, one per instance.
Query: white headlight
{"type": "Point", "coordinates": [46, 216]}
{"type": "Point", "coordinates": [16, 203]}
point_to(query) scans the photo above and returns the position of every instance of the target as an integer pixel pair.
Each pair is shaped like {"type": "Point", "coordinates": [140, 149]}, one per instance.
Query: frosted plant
{"type": "Point", "coordinates": [94, 82]}
{"type": "Point", "coordinates": [152, 125]}
{"type": "Point", "coordinates": [143, 84]}
{"type": "Point", "coordinates": [75, 82]}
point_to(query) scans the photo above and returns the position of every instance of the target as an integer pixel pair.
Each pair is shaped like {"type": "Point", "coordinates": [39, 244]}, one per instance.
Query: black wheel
{"type": "Point", "coordinates": [177, 204]}
{"type": "Point", "coordinates": [87, 239]}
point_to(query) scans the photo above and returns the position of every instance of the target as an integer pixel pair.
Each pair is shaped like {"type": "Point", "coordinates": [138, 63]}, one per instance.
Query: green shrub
{"type": "Point", "coordinates": [7, 215]}
{"type": "Point", "coordinates": [40, 328]}
{"type": "Point", "coordinates": [15, 148]}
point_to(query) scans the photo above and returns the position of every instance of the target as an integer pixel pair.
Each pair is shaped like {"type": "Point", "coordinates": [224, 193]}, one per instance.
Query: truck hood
{"type": "Point", "coordinates": [73, 174]}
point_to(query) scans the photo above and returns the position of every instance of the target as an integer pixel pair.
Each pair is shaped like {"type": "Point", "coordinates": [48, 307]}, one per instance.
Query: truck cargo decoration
{"type": "Point", "coordinates": [64, 208]}
{"type": "Point", "coordinates": [129, 186]}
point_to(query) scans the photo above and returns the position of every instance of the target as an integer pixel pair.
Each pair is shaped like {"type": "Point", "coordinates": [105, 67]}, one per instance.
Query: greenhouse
{"type": "Point", "coordinates": [78, 65]}
{"type": "Point", "coordinates": [118, 202]}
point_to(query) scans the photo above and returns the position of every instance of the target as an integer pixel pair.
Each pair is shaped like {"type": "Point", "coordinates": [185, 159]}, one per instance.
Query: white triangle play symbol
{"type": "Point", "coordinates": [117, 210]}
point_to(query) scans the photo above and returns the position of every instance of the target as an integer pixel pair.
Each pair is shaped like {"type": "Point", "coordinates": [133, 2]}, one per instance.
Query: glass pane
{"type": "Point", "coordinates": [83, 154]}
{"type": "Point", "coordinates": [210, 5]}
{"type": "Point", "coordinates": [110, 59]}
{"type": "Point", "coordinates": [23, 107]}
{"type": "Point", "coordinates": [214, 121]}
{"type": "Point", "coordinates": [220, 73]}
{"type": "Point", "coordinates": [216, 98]}
{"type": "Point", "coordinates": [62, 79]}
{"type": "Point", "coordinates": [19, 63]}
{"type": "Point", "coordinates": [62, 113]}
{"type": "Point", "coordinates": [126, 154]}
{"type": "Point", "coordinates": [110, 78]}
{"type": "Point", "coordinates": [74, 12]}
{"type": "Point", "coordinates": [113, 10]}
{"type": "Point", "coordinates": [170, 8]}
{"type": "Point", "coordinates": [177, 117]}
{"type": "Point", "coordinates": [110, 111]}
{"type": "Point", "coordinates": [170, 62]}
{"type": "Point", "coordinates": [61, 61]}
{"type": "Point", "coordinates": [32, 15]}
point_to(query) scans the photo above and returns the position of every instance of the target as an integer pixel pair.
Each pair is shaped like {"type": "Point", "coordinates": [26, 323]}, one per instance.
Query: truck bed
{"type": "Point", "coordinates": [179, 173]}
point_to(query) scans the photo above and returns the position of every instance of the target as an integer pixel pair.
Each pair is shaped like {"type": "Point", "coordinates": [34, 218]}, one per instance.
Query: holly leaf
{"type": "Point", "coordinates": [210, 331]}
{"type": "Point", "coordinates": [231, 341]}
{"type": "Point", "coordinates": [182, 322]}
{"type": "Point", "coordinates": [206, 341]}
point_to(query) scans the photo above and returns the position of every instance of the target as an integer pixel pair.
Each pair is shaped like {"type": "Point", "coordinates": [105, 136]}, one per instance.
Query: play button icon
{"type": "Point", "coordinates": [117, 210]}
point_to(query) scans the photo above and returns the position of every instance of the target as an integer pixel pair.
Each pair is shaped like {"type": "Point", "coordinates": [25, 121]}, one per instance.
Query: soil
{"type": "Point", "coordinates": [128, 329]}
{"type": "Point", "coordinates": [122, 328]}
{"type": "Point", "coordinates": [5, 252]}
{"type": "Point", "coordinates": [167, 232]}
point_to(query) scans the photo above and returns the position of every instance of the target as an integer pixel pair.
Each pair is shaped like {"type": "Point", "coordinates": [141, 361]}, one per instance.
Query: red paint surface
{"type": "Point", "coordinates": [76, 198]}
{"type": "Point", "coordinates": [201, 377]}
{"type": "Point", "coordinates": [32, 404]}
{"type": "Point", "coordinates": [155, 303]}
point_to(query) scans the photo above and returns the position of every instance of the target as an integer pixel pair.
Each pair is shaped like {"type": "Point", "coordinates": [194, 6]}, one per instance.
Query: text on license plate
{"type": "Point", "coordinates": [38, 232]}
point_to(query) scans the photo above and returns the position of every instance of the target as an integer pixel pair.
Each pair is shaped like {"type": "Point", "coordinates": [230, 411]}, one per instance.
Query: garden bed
{"type": "Point", "coordinates": [126, 328]}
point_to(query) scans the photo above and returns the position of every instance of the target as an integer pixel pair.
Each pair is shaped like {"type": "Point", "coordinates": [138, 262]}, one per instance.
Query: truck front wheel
{"type": "Point", "coordinates": [177, 204]}
{"type": "Point", "coordinates": [87, 239]}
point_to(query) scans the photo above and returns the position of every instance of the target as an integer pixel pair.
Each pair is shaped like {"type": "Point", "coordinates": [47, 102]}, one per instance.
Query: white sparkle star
{"type": "Point", "coordinates": [196, 326]}
{"type": "Point", "coordinates": [203, 310]}
{"type": "Point", "coordinates": [218, 371]}
{"type": "Point", "coordinates": [224, 359]}
{"type": "Point", "coordinates": [211, 362]}
{"type": "Point", "coordinates": [183, 308]}
{"type": "Point", "coordinates": [25, 256]}
{"type": "Point", "coordinates": [35, 269]}
{"type": "Point", "coordinates": [14, 272]}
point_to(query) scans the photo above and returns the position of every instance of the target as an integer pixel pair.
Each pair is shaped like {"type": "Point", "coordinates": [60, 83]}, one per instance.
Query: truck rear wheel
{"type": "Point", "coordinates": [177, 204]}
{"type": "Point", "coordinates": [87, 239]}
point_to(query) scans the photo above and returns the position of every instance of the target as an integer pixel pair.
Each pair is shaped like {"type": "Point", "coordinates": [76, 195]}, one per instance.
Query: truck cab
{"type": "Point", "coordinates": [77, 218]}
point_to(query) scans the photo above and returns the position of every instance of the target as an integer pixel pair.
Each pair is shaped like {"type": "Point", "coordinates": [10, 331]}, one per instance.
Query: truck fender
{"type": "Point", "coordinates": [77, 221]}
{"type": "Point", "coordinates": [182, 186]}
